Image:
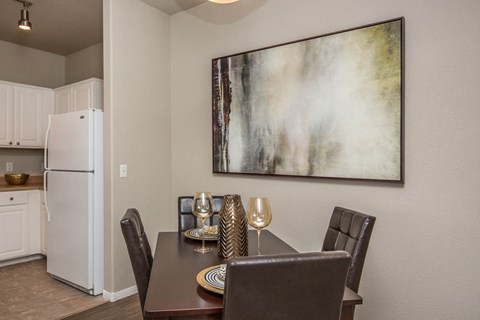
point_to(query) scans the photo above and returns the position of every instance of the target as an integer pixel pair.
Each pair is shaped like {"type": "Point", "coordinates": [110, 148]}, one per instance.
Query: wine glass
{"type": "Point", "coordinates": [259, 215]}
{"type": "Point", "coordinates": [202, 207]}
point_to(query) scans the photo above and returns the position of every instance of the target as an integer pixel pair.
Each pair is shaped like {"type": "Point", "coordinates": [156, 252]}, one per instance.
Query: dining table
{"type": "Point", "coordinates": [173, 291]}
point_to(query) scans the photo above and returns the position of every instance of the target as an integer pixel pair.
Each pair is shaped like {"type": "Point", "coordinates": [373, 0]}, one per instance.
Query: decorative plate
{"type": "Point", "coordinates": [208, 279]}
{"type": "Point", "coordinates": [196, 234]}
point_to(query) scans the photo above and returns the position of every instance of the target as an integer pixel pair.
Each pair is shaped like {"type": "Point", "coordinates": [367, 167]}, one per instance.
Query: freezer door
{"type": "Point", "coordinates": [69, 232]}
{"type": "Point", "coordinates": [69, 142]}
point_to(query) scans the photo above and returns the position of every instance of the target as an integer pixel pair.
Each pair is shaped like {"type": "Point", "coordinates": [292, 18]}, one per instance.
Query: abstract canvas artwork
{"type": "Point", "coordinates": [329, 106]}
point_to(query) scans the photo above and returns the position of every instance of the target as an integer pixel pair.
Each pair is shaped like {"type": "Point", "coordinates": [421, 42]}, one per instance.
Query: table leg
{"type": "Point", "coordinates": [347, 312]}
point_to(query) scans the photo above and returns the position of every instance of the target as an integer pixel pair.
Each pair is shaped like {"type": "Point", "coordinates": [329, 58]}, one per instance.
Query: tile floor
{"type": "Point", "coordinates": [27, 292]}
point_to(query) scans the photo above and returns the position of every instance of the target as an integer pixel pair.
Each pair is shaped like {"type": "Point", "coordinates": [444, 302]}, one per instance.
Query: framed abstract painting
{"type": "Point", "coordinates": [330, 106]}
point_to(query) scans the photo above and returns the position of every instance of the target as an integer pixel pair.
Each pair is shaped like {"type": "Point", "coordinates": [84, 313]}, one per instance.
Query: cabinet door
{"type": "Point", "coordinates": [43, 230]}
{"type": "Point", "coordinates": [48, 109]}
{"type": "Point", "coordinates": [13, 232]}
{"type": "Point", "coordinates": [63, 100]}
{"type": "Point", "coordinates": [28, 117]}
{"type": "Point", "coordinates": [6, 115]}
{"type": "Point", "coordinates": [43, 224]}
{"type": "Point", "coordinates": [83, 96]}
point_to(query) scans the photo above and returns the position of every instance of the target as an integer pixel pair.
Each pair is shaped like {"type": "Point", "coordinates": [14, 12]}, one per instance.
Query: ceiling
{"type": "Point", "coordinates": [66, 26]}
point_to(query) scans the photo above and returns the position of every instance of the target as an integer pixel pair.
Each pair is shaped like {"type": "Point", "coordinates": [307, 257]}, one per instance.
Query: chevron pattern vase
{"type": "Point", "coordinates": [232, 228]}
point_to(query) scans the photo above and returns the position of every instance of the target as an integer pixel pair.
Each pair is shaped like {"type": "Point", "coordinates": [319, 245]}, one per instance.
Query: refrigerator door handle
{"type": "Point", "coordinates": [45, 194]}
{"type": "Point", "coordinates": [45, 150]}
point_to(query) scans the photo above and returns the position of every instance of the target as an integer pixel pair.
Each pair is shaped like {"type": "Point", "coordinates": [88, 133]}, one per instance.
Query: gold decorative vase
{"type": "Point", "coordinates": [232, 228]}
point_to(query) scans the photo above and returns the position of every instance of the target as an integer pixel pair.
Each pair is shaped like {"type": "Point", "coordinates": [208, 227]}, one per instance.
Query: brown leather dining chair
{"type": "Point", "coordinates": [350, 231]}
{"type": "Point", "coordinates": [288, 286]}
{"type": "Point", "coordinates": [186, 219]}
{"type": "Point", "coordinates": [138, 250]}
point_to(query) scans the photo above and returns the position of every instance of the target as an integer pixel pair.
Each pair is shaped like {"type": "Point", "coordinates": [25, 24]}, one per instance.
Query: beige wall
{"type": "Point", "coordinates": [40, 68]}
{"type": "Point", "coordinates": [137, 126]}
{"type": "Point", "coordinates": [31, 66]}
{"type": "Point", "coordinates": [24, 160]}
{"type": "Point", "coordinates": [84, 64]}
{"type": "Point", "coordinates": [423, 261]}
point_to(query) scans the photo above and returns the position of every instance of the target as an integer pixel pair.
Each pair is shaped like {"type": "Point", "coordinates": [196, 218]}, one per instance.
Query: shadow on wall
{"type": "Point", "coordinates": [225, 13]}
{"type": "Point", "coordinates": [186, 4]}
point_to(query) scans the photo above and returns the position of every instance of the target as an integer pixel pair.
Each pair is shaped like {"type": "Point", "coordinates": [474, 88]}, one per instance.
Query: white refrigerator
{"type": "Point", "coordinates": [73, 184]}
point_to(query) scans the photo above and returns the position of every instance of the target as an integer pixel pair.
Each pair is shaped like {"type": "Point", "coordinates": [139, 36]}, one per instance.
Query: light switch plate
{"type": "Point", "coordinates": [9, 167]}
{"type": "Point", "coordinates": [123, 171]}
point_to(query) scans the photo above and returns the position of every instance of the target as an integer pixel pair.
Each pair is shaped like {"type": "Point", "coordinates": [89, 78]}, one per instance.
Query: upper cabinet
{"type": "Point", "coordinates": [24, 114]}
{"type": "Point", "coordinates": [24, 109]}
{"type": "Point", "coordinates": [6, 113]}
{"type": "Point", "coordinates": [79, 96]}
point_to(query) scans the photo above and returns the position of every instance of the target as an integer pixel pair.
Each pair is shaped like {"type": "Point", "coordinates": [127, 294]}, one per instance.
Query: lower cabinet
{"type": "Point", "coordinates": [13, 231]}
{"type": "Point", "coordinates": [19, 224]}
{"type": "Point", "coordinates": [43, 224]}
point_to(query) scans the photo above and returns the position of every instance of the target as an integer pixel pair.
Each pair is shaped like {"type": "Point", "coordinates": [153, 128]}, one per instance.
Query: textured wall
{"type": "Point", "coordinates": [31, 66]}
{"type": "Point", "coordinates": [84, 64]}
{"type": "Point", "coordinates": [24, 160]}
{"type": "Point", "coordinates": [137, 127]}
{"type": "Point", "coordinates": [423, 261]}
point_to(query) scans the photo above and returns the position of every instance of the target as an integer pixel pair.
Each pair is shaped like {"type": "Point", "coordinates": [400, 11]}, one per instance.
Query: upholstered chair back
{"type": "Point", "coordinates": [139, 251]}
{"type": "Point", "coordinates": [350, 231]}
{"type": "Point", "coordinates": [285, 287]}
{"type": "Point", "coordinates": [186, 219]}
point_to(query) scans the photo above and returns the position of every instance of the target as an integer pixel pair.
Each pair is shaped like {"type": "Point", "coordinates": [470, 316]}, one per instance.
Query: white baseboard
{"type": "Point", "coordinates": [114, 296]}
{"type": "Point", "coordinates": [21, 260]}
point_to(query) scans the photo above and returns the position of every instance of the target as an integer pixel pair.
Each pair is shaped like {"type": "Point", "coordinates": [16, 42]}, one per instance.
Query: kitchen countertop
{"type": "Point", "coordinates": [33, 183]}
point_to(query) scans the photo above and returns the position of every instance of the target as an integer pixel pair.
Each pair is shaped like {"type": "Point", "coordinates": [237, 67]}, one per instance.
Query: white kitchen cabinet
{"type": "Point", "coordinates": [63, 100]}
{"type": "Point", "coordinates": [14, 226]}
{"type": "Point", "coordinates": [79, 96]}
{"type": "Point", "coordinates": [6, 114]}
{"type": "Point", "coordinates": [20, 226]}
{"type": "Point", "coordinates": [34, 222]}
{"type": "Point", "coordinates": [30, 116]}
{"type": "Point", "coordinates": [24, 114]}
{"type": "Point", "coordinates": [43, 224]}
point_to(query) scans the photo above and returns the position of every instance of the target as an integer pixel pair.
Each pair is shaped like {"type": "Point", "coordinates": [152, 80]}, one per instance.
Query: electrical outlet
{"type": "Point", "coordinates": [9, 167]}
{"type": "Point", "coordinates": [123, 171]}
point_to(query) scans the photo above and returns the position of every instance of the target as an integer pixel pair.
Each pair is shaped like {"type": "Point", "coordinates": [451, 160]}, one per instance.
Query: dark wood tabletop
{"type": "Point", "coordinates": [173, 289]}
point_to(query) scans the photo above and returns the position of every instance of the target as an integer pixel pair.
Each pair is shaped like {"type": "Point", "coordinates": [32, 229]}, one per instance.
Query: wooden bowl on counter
{"type": "Point", "coordinates": [16, 178]}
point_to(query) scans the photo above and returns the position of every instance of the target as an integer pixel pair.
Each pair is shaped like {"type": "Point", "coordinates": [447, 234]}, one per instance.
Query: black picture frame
{"type": "Point", "coordinates": [329, 106]}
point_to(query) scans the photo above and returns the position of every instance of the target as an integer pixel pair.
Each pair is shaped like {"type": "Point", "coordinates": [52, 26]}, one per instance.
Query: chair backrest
{"type": "Point", "coordinates": [350, 231]}
{"type": "Point", "coordinates": [186, 219]}
{"type": "Point", "coordinates": [290, 286]}
{"type": "Point", "coordinates": [138, 250]}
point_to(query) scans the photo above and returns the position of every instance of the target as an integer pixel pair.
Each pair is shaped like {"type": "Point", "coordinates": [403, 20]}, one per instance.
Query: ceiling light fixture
{"type": "Point", "coordinates": [24, 22]}
{"type": "Point", "coordinates": [223, 1]}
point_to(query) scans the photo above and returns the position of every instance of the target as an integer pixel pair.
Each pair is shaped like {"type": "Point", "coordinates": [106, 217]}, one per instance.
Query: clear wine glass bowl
{"type": "Point", "coordinates": [202, 208]}
{"type": "Point", "coordinates": [259, 215]}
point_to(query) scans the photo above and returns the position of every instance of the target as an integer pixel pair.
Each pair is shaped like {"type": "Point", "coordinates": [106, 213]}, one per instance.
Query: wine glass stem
{"type": "Point", "coordinates": [203, 228]}
{"type": "Point", "coordinates": [258, 240]}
